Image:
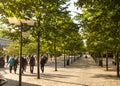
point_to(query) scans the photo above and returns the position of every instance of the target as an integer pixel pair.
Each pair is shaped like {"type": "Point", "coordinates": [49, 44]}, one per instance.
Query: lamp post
{"type": "Point", "coordinates": [55, 53]}
{"type": "Point", "coordinates": [21, 22]}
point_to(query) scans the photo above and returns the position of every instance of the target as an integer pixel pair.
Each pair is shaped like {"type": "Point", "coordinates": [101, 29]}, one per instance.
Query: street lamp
{"type": "Point", "coordinates": [21, 22]}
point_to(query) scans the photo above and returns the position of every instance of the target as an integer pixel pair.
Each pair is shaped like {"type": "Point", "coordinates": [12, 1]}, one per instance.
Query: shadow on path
{"type": "Point", "coordinates": [106, 76]}
{"type": "Point", "coordinates": [67, 82]}
{"type": "Point", "coordinates": [16, 83]}
{"type": "Point", "coordinates": [3, 70]}
{"type": "Point", "coordinates": [29, 75]}
{"type": "Point", "coordinates": [57, 76]}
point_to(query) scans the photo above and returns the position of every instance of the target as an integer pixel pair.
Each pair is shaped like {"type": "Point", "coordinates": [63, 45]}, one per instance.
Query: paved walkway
{"type": "Point", "coordinates": [83, 72]}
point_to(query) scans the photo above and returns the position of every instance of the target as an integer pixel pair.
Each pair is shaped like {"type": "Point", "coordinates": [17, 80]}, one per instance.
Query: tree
{"type": "Point", "coordinates": [103, 24]}
{"type": "Point", "coordinates": [37, 10]}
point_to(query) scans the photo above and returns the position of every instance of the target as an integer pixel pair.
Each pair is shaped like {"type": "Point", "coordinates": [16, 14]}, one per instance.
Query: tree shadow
{"type": "Point", "coordinates": [28, 75]}
{"type": "Point", "coordinates": [4, 70]}
{"type": "Point", "coordinates": [111, 69]}
{"type": "Point", "coordinates": [57, 76]}
{"type": "Point", "coordinates": [52, 78]}
{"type": "Point", "coordinates": [16, 83]}
{"type": "Point", "coordinates": [72, 83]}
{"type": "Point", "coordinates": [106, 76]}
{"type": "Point", "coordinates": [47, 77]}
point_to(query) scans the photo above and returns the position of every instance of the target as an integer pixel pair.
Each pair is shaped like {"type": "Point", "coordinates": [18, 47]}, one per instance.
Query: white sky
{"type": "Point", "coordinates": [72, 8]}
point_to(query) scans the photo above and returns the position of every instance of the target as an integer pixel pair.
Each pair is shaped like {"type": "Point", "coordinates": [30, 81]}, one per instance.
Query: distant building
{"type": "Point", "coordinates": [4, 42]}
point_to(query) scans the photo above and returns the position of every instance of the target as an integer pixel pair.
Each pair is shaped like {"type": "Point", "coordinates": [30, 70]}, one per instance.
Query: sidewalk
{"type": "Point", "coordinates": [83, 72]}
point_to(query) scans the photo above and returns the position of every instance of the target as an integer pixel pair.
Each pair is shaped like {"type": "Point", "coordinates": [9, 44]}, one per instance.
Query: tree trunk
{"type": "Point", "coordinates": [38, 57]}
{"type": "Point", "coordinates": [107, 60]}
{"type": "Point", "coordinates": [55, 53]}
{"type": "Point", "coordinates": [117, 63]}
{"type": "Point", "coordinates": [64, 58]}
{"type": "Point", "coordinates": [74, 57]}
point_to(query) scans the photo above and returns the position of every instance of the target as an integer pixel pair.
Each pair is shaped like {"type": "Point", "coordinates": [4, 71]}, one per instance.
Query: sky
{"type": "Point", "coordinates": [72, 8]}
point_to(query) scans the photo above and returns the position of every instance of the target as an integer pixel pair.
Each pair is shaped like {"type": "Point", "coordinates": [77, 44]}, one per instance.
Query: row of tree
{"type": "Point", "coordinates": [100, 21]}
{"type": "Point", "coordinates": [53, 27]}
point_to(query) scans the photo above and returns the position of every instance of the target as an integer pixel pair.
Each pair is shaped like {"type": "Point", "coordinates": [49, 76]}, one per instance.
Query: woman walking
{"type": "Point", "coordinates": [10, 64]}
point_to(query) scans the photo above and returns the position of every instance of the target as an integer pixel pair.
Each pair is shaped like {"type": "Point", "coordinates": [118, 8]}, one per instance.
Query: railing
{"type": "Point", "coordinates": [2, 81]}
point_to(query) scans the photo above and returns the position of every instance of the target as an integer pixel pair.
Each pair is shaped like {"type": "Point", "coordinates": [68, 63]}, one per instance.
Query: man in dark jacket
{"type": "Point", "coordinates": [32, 63]}
{"type": "Point", "coordinates": [22, 63]}
{"type": "Point", "coordinates": [43, 62]}
{"type": "Point", "coordinates": [15, 64]}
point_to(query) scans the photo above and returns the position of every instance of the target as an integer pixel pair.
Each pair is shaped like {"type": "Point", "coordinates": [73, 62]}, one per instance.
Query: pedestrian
{"type": "Point", "coordinates": [25, 63]}
{"type": "Point", "coordinates": [51, 56]}
{"type": "Point", "coordinates": [86, 56]}
{"type": "Point", "coordinates": [15, 64]}
{"type": "Point", "coordinates": [43, 62]}
{"type": "Point", "coordinates": [7, 58]}
{"type": "Point", "coordinates": [10, 64]}
{"type": "Point", "coordinates": [2, 62]}
{"type": "Point", "coordinates": [32, 63]}
{"type": "Point", "coordinates": [22, 63]}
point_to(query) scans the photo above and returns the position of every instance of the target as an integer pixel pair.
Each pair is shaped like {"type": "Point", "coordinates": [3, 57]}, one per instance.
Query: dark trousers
{"type": "Point", "coordinates": [15, 68]}
{"type": "Point", "coordinates": [31, 68]}
{"type": "Point", "coordinates": [42, 68]}
{"type": "Point", "coordinates": [22, 68]}
{"type": "Point", "coordinates": [10, 69]}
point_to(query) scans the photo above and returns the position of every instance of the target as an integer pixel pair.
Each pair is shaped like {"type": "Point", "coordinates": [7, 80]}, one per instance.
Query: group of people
{"type": "Point", "coordinates": [14, 62]}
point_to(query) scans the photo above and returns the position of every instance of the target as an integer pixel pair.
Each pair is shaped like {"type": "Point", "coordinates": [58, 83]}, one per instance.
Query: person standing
{"type": "Point", "coordinates": [32, 63]}
{"type": "Point", "coordinates": [10, 64]}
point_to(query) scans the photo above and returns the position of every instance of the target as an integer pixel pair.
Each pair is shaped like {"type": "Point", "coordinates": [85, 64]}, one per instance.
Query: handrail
{"type": "Point", "coordinates": [3, 81]}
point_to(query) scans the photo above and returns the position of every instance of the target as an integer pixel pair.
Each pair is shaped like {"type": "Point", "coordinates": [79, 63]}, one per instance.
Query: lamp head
{"type": "Point", "coordinates": [13, 20]}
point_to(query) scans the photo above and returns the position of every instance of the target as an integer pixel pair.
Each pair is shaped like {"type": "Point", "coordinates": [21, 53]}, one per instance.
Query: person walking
{"type": "Point", "coordinates": [7, 58]}
{"type": "Point", "coordinates": [43, 62]}
{"type": "Point", "coordinates": [32, 63]}
{"type": "Point", "coordinates": [22, 63]}
{"type": "Point", "coordinates": [15, 64]}
{"type": "Point", "coordinates": [10, 64]}
{"type": "Point", "coordinates": [25, 63]}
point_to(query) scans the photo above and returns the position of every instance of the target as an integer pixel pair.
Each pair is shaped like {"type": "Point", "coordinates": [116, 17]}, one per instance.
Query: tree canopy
{"type": "Point", "coordinates": [52, 20]}
{"type": "Point", "coordinates": [100, 21]}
